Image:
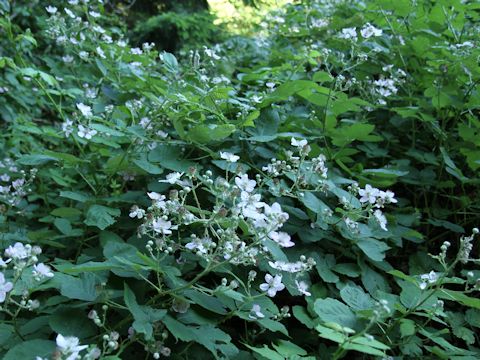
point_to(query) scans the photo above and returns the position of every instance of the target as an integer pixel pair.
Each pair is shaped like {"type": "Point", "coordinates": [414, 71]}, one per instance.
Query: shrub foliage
{"type": "Point", "coordinates": [309, 193]}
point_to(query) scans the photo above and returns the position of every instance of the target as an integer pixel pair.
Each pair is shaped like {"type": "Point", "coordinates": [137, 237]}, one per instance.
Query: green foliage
{"type": "Point", "coordinates": [233, 203]}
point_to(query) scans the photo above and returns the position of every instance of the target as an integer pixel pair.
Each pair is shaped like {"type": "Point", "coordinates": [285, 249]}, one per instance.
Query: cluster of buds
{"type": "Point", "coordinates": [111, 340]}
{"type": "Point", "coordinates": [283, 314]}
{"type": "Point", "coordinates": [466, 246]}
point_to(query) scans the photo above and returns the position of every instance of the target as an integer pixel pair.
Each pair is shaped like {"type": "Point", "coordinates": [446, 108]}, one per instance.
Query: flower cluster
{"type": "Point", "coordinates": [69, 348]}
{"type": "Point", "coordinates": [14, 182]}
{"type": "Point", "coordinates": [21, 257]}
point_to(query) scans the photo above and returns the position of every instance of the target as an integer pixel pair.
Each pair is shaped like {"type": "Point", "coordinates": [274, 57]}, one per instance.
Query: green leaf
{"type": "Point", "coordinates": [101, 216]}
{"type": "Point", "coordinates": [144, 317]}
{"type": "Point", "coordinates": [266, 352]}
{"type": "Point", "coordinates": [322, 76]}
{"type": "Point", "coordinates": [30, 349]}
{"type": "Point", "coordinates": [459, 296]}
{"type": "Point", "coordinates": [356, 298]}
{"type": "Point", "coordinates": [125, 258]}
{"type": "Point", "coordinates": [374, 249]}
{"type": "Point", "coordinates": [75, 195]}
{"type": "Point", "coordinates": [334, 311]}
{"type": "Point", "coordinates": [287, 348]}
{"type": "Point", "coordinates": [63, 225]}
{"type": "Point", "coordinates": [205, 134]}
{"type": "Point", "coordinates": [170, 61]}
{"type": "Point", "coordinates": [407, 327]}
{"type": "Point", "coordinates": [66, 212]}
{"type": "Point", "coordinates": [323, 265]}
{"type": "Point", "coordinates": [302, 315]}
{"type": "Point", "coordinates": [81, 288]}
{"type": "Point", "coordinates": [72, 322]}
{"type": "Point", "coordinates": [35, 159]}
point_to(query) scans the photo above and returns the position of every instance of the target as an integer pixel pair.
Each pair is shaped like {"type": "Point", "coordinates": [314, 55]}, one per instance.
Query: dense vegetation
{"type": "Point", "coordinates": [309, 192]}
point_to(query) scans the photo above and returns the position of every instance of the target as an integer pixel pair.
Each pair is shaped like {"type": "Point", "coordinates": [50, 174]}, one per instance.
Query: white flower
{"type": "Point", "coordinates": [136, 51]}
{"type": "Point", "coordinates": [172, 178]}
{"type": "Point", "coordinates": [17, 184]}
{"type": "Point", "coordinates": [51, 9]}
{"type": "Point", "coordinates": [270, 85]}
{"type": "Point", "coordinates": [211, 53]}
{"type": "Point", "coordinates": [349, 33]}
{"type": "Point", "coordinates": [69, 345]}
{"type": "Point", "coordinates": [292, 268]}
{"type": "Point", "coordinates": [83, 55]}
{"type": "Point", "coordinates": [17, 252]}
{"type": "Point", "coordinates": [245, 184]}
{"type": "Point", "coordinates": [67, 59]}
{"type": "Point", "coordinates": [299, 143]}
{"type": "Point", "coordinates": [352, 225]}
{"type": "Point", "coordinates": [302, 287]}
{"type": "Point", "coordinates": [162, 226]}
{"type": "Point", "coordinates": [369, 194]}
{"type": "Point", "coordinates": [369, 30]}
{"type": "Point", "coordinates": [256, 312]}
{"type": "Point", "coordinates": [73, 2]}
{"type": "Point", "coordinates": [272, 284]}
{"type": "Point", "coordinates": [229, 157]}
{"type": "Point", "coordinates": [275, 212]}
{"type": "Point", "coordinates": [100, 52]}
{"type": "Point", "coordinates": [5, 287]}
{"type": "Point", "coordinates": [94, 14]}
{"type": "Point", "coordinates": [385, 87]}
{"type": "Point", "coordinates": [136, 212]}
{"type": "Point", "coordinates": [41, 271]}
{"type": "Point", "coordinates": [429, 278]}
{"type": "Point", "coordinates": [389, 197]}
{"type": "Point", "coordinates": [70, 13]}
{"type": "Point", "coordinates": [85, 132]}
{"type": "Point", "coordinates": [201, 245]}
{"type": "Point", "coordinates": [85, 109]}
{"type": "Point", "coordinates": [382, 220]}
{"type": "Point", "coordinates": [281, 238]}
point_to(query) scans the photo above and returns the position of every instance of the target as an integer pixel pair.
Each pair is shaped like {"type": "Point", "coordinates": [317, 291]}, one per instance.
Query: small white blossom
{"type": "Point", "coordinates": [70, 13]}
{"type": "Point", "coordinates": [299, 143]}
{"type": "Point", "coordinates": [245, 184]}
{"type": "Point", "coordinates": [200, 245]}
{"type": "Point", "coordinates": [100, 52]}
{"type": "Point", "coordinates": [5, 287]}
{"type": "Point", "coordinates": [369, 194]}
{"type": "Point", "coordinates": [41, 271]}
{"type": "Point", "coordinates": [382, 220]}
{"type": "Point", "coordinates": [281, 238]}
{"type": "Point", "coordinates": [369, 30]}
{"type": "Point", "coordinates": [84, 132]}
{"type": "Point", "coordinates": [17, 252]}
{"type": "Point", "coordinates": [349, 33]}
{"type": "Point", "coordinates": [69, 346]}
{"type": "Point", "coordinates": [229, 157]}
{"type": "Point", "coordinates": [302, 287]}
{"type": "Point", "coordinates": [94, 14]}
{"type": "Point", "coordinates": [289, 267]}
{"type": "Point", "coordinates": [136, 212]}
{"type": "Point", "coordinates": [162, 226]}
{"type": "Point", "coordinates": [136, 51]}
{"type": "Point", "coordinates": [51, 9]}
{"type": "Point", "coordinates": [429, 278]}
{"type": "Point", "coordinates": [85, 109]}
{"type": "Point", "coordinates": [272, 284]}
{"type": "Point", "coordinates": [256, 312]}
{"type": "Point", "coordinates": [172, 178]}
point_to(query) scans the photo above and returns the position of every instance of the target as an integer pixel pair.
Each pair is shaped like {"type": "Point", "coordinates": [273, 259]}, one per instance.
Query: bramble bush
{"type": "Point", "coordinates": [307, 193]}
